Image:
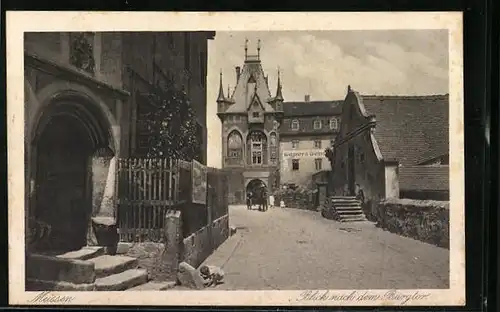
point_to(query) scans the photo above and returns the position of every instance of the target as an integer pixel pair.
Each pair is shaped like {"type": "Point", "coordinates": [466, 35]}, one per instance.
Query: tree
{"type": "Point", "coordinates": [172, 125]}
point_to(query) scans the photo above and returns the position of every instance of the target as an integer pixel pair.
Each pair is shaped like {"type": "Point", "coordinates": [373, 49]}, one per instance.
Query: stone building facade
{"type": "Point", "coordinates": [82, 98]}
{"type": "Point", "coordinates": [308, 128]}
{"type": "Point", "coordinates": [250, 118]}
{"type": "Point", "coordinates": [392, 146]}
{"type": "Point", "coordinates": [268, 141]}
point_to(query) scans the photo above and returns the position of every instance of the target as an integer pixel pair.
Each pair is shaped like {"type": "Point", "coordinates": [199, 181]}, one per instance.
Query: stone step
{"type": "Point", "coordinates": [153, 286]}
{"type": "Point", "coordinates": [107, 265]}
{"type": "Point", "coordinates": [42, 285]}
{"type": "Point", "coordinates": [353, 219]}
{"type": "Point", "coordinates": [342, 207]}
{"type": "Point", "coordinates": [342, 197]}
{"type": "Point", "coordinates": [122, 281]}
{"type": "Point", "coordinates": [85, 253]}
{"type": "Point", "coordinates": [346, 202]}
{"type": "Point", "coordinates": [350, 212]}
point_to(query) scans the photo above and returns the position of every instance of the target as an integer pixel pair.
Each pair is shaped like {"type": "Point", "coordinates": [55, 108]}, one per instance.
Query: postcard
{"type": "Point", "coordinates": [228, 158]}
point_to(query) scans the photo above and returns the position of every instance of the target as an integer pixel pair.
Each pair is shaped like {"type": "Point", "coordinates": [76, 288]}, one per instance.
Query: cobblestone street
{"type": "Point", "coordinates": [290, 249]}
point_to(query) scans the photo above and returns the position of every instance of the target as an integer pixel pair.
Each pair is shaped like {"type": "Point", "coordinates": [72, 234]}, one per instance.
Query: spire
{"type": "Point", "coordinates": [279, 95]}
{"type": "Point", "coordinates": [246, 48]}
{"type": "Point", "coordinates": [220, 97]}
{"type": "Point", "coordinates": [258, 49]}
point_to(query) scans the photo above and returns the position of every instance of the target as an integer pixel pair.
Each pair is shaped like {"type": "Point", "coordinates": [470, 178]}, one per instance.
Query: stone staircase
{"type": "Point", "coordinates": [343, 209]}
{"type": "Point", "coordinates": [89, 269]}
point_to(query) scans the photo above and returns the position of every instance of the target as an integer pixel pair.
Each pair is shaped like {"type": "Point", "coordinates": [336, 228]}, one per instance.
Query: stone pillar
{"type": "Point", "coordinates": [172, 253]}
{"type": "Point", "coordinates": [103, 168]}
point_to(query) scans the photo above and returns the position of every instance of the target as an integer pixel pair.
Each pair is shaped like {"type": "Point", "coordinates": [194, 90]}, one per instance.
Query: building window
{"type": "Point", "coordinates": [234, 144]}
{"type": "Point", "coordinates": [317, 124]}
{"type": "Point", "coordinates": [317, 143]}
{"type": "Point", "coordinates": [295, 144]}
{"type": "Point", "coordinates": [256, 158]}
{"type": "Point", "coordinates": [334, 124]}
{"type": "Point", "coordinates": [257, 142]}
{"type": "Point", "coordinates": [318, 164]}
{"type": "Point", "coordinates": [294, 125]}
{"type": "Point", "coordinates": [255, 114]}
{"type": "Point", "coordinates": [295, 164]}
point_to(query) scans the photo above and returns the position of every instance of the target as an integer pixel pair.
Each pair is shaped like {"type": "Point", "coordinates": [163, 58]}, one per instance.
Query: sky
{"type": "Point", "coordinates": [323, 63]}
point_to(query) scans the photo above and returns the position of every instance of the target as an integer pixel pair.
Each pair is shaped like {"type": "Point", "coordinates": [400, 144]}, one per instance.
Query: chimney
{"type": "Point", "coordinates": [238, 72]}
{"type": "Point", "coordinates": [307, 98]}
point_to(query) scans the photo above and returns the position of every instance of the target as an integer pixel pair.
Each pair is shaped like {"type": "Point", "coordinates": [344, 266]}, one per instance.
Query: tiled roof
{"type": "Point", "coordinates": [424, 178]}
{"type": "Point", "coordinates": [410, 129]}
{"type": "Point", "coordinates": [241, 97]}
{"type": "Point", "coordinates": [312, 108]}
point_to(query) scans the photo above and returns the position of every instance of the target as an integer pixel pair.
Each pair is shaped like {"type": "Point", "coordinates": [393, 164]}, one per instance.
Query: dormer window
{"type": "Point", "coordinates": [255, 114]}
{"type": "Point", "coordinates": [294, 125]}
{"type": "Point", "coordinates": [317, 125]}
{"type": "Point", "coordinates": [334, 124]}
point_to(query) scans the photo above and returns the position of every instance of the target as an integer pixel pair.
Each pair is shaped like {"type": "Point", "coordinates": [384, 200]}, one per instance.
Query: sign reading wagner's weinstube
{"type": "Point", "coordinates": [199, 182]}
{"type": "Point", "coordinates": [310, 153]}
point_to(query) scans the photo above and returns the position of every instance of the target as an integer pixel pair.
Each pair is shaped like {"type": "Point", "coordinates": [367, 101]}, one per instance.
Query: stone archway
{"type": "Point", "coordinates": [255, 184]}
{"type": "Point", "coordinates": [72, 151]}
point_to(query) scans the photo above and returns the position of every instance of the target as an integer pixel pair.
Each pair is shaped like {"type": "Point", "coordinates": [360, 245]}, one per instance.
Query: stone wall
{"type": "Point", "coordinates": [424, 220]}
{"type": "Point", "coordinates": [161, 260]}
{"type": "Point", "coordinates": [199, 245]}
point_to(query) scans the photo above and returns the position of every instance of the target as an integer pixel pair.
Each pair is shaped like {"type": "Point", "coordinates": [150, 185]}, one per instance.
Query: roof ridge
{"type": "Point", "coordinates": [317, 101]}
{"type": "Point", "coordinates": [406, 97]}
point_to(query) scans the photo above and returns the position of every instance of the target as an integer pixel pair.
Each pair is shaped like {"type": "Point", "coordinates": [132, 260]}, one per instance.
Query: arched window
{"type": "Point", "coordinates": [234, 145]}
{"type": "Point", "coordinates": [294, 125]}
{"type": "Point", "coordinates": [334, 124]}
{"type": "Point", "coordinates": [257, 148]}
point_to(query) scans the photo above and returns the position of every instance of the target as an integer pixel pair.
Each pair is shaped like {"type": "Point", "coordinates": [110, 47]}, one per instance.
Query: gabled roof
{"type": "Point", "coordinates": [424, 178]}
{"type": "Point", "coordinates": [410, 129]}
{"type": "Point", "coordinates": [239, 96]}
{"type": "Point", "coordinates": [313, 108]}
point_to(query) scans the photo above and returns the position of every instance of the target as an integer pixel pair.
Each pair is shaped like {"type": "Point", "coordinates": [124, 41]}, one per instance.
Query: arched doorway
{"type": "Point", "coordinates": [255, 185]}
{"type": "Point", "coordinates": [69, 136]}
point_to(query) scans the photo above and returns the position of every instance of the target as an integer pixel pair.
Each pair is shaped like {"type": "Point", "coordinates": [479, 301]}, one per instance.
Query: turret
{"type": "Point", "coordinates": [223, 102]}
{"type": "Point", "coordinates": [221, 97]}
{"type": "Point", "coordinates": [279, 95]}
{"type": "Point", "coordinates": [277, 100]}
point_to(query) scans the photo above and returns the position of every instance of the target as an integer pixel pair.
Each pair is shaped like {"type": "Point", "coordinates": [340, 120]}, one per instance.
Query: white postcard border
{"type": "Point", "coordinates": [18, 22]}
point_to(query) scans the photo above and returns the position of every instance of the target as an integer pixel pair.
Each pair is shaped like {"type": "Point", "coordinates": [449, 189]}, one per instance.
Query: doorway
{"type": "Point", "coordinates": [351, 171]}
{"type": "Point", "coordinates": [63, 182]}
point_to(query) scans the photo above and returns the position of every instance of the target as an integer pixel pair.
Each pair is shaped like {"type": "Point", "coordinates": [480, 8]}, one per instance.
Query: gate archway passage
{"type": "Point", "coordinates": [256, 187]}
{"type": "Point", "coordinates": [69, 141]}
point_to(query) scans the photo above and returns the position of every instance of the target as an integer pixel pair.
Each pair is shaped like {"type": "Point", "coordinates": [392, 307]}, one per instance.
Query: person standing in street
{"type": "Point", "coordinates": [271, 200]}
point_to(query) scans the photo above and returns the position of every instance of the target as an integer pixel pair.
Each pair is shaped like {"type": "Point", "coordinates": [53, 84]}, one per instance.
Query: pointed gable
{"type": "Point", "coordinates": [242, 96]}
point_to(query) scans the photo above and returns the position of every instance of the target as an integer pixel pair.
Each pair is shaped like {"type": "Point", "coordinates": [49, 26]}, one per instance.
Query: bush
{"type": "Point", "coordinates": [301, 198]}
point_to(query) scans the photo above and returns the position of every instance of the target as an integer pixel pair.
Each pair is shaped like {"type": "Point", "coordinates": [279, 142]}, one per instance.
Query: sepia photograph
{"type": "Point", "coordinates": [319, 166]}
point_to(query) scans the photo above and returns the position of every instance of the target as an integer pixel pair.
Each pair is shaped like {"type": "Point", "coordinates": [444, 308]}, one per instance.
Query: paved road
{"type": "Point", "coordinates": [291, 249]}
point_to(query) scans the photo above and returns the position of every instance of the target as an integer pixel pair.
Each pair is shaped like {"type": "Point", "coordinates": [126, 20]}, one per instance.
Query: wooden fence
{"type": "Point", "coordinates": [146, 189]}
